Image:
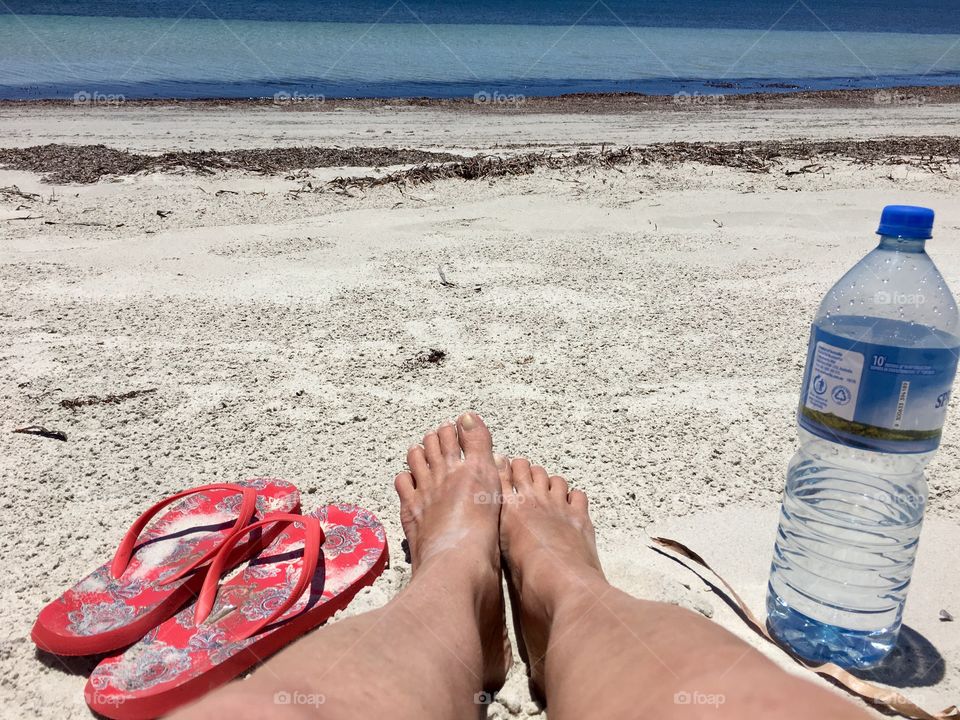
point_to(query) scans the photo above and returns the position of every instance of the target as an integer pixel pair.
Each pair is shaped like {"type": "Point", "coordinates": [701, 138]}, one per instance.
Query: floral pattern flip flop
{"type": "Point", "coordinates": [314, 567]}
{"type": "Point", "coordinates": [157, 569]}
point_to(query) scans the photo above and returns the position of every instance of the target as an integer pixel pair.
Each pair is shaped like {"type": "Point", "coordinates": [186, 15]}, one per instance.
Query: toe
{"type": "Point", "coordinates": [405, 487]}
{"type": "Point", "coordinates": [558, 488]}
{"type": "Point", "coordinates": [578, 500]}
{"type": "Point", "coordinates": [520, 475]}
{"type": "Point", "coordinates": [449, 444]}
{"type": "Point", "coordinates": [541, 481]}
{"type": "Point", "coordinates": [474, 437]}
{"type": "Point", "coordinates": [431, 446]}
{"type": "Point", "coordinates": [503, 470]}
{"type": "Point", "coordinates": [417, 462]}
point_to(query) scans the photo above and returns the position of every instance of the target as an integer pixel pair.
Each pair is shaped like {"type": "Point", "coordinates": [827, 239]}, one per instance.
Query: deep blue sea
{"type": "Point", "coordinates": [297, 49]}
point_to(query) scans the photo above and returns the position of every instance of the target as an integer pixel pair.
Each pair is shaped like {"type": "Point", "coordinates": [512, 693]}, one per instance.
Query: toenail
{"type": "Point", "coordinates": [501, 461]}
{"type": "Point", "coordinates": [468, 421]}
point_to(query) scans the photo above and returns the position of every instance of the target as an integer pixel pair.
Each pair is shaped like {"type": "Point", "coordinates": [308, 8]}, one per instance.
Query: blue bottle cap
{"type": "Point", "coordinates": [906, 221]}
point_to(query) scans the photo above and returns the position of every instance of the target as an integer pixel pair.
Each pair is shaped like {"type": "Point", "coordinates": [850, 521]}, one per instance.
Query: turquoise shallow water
{"type": "Point", "coordinates": [62, 55]}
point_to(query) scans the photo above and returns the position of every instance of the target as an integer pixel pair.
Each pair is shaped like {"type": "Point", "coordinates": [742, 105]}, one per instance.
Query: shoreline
{"type": "Point", "coordinates": [599, 103]}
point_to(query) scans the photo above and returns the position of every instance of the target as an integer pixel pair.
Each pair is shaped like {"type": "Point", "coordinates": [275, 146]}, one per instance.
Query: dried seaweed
{"type": "Point", "coordinates": [928, 153]}
{"type": "Point", "coordinates": [89, 163]}
{"type": "Point", "coordinates": [75, 403]}
{"type": "Point", "coordinates": [425, 358]}
{"type": "Point", "coordinates": [40, 431]}
{"type": "Point", "coordinates": [12, 191]}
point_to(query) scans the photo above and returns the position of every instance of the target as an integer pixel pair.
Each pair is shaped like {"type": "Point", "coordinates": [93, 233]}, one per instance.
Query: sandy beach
{"type": "Point", "coordinates": [637, 322]}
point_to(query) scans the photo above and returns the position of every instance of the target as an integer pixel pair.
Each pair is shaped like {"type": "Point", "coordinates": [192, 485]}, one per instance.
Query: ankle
{"type": "Point", "coordinates": [451, 575]}
{"type": "Point", "coordinates": [549, 590]}
{"type": "Point", "coordinates": [583, 590]}
{"type": "Point", "coordinates": [470, 565]}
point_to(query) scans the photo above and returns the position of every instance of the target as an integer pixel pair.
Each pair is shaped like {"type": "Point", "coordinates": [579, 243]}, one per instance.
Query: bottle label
{"type": "Point", "coordinates": [877, 397]}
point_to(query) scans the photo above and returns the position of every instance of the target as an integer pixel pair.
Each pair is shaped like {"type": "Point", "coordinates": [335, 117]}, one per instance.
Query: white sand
{"type": "Point", "coordinates": [641, 330]}
{"type": "Point", "coordinates": [184, 127]}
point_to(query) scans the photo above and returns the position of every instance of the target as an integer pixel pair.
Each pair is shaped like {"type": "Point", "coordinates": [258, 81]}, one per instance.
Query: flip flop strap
{"type": "Point", "coordinates": [311, 558]}
{"type": "Point", "coordinates": [125, 551]}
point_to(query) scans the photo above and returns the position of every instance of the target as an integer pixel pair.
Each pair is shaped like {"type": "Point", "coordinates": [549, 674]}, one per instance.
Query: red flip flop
{"type": "Point", "coordinates": [314, 568]}
{"type": "Point", "coordinates": [148, 582]}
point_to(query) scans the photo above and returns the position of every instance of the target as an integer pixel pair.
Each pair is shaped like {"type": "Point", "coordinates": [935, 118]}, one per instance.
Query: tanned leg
{"type": "Point", "coordinates": [596, 652]}
{"type": "Point", "coordinates": [440, 643]}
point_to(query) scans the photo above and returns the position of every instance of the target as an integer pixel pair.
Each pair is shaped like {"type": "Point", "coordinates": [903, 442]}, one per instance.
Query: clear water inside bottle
{"type": "Point", "coordinates": [849, 529]}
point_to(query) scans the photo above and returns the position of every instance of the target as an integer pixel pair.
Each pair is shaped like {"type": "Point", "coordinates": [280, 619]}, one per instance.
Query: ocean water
{"type": "Point", "coordinates": [495, 50]}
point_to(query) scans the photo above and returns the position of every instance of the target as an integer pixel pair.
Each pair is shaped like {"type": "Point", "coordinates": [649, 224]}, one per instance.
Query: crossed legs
{"type": "Point", "coordinates": [593, 651]}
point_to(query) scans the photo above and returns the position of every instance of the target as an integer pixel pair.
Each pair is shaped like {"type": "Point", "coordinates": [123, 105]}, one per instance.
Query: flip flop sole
{"type": "Point", "coordinates": [180, 661]}
{"type": "Point", "coordinates": [102, 614]}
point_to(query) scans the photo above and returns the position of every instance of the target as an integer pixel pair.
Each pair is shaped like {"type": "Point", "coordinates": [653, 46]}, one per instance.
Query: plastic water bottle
{"type": "Point", "coordinates": [880, 364]}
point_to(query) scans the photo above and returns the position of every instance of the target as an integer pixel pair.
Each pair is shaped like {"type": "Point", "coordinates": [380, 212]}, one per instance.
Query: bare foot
{"type": "Point", "coordinates": [450, 515]}
{"type": "Point", "coordinates": [548, 543]}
